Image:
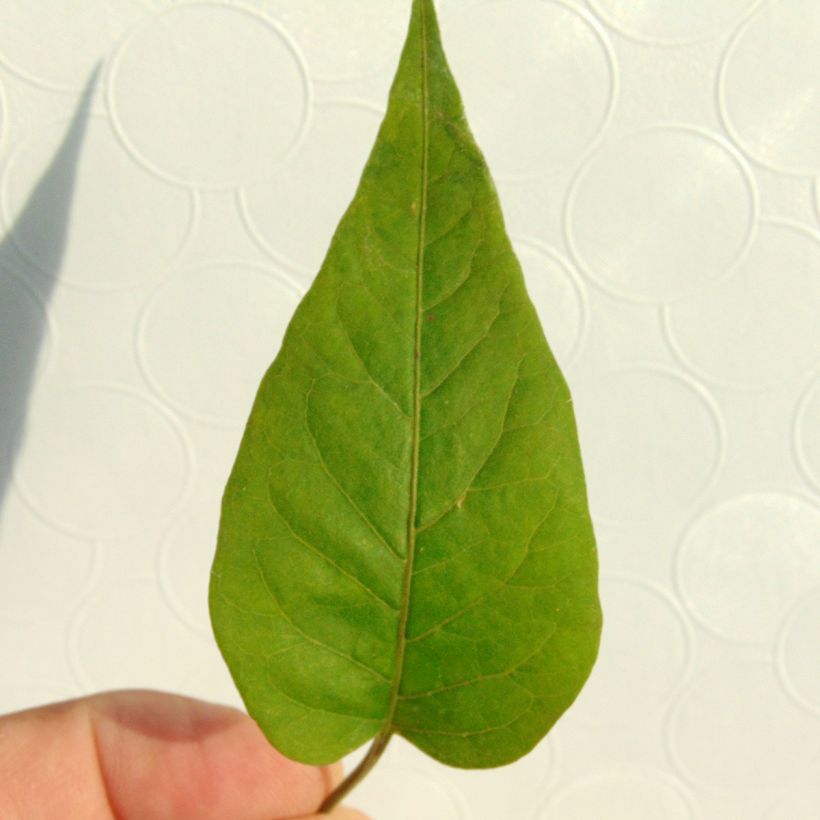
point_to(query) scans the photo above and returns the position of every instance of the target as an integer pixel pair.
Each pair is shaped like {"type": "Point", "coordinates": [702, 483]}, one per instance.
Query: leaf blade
{"type": "Point", "coordinates": [416, 398]}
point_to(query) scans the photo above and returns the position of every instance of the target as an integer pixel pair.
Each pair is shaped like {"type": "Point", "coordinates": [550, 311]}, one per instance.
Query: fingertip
{"type": "Point", "coordinates": [339, 813]}
{"type": "Point", "coordinates": [343, 813]}
{"type": "Point", "coordinates": [213, 760]}
{"type": "Point", "coordinates": [333, 775]}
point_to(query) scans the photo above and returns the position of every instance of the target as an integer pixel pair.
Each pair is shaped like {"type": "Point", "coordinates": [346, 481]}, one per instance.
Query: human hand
{"type": "Point", "coordinates": [141, 755]}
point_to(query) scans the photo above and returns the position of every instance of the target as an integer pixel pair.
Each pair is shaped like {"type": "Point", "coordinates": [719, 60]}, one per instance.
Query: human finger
{"type": "Point", "coordinates": [149, 756]}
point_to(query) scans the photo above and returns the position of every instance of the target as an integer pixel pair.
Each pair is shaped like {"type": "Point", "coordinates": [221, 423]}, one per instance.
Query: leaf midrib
{"type": "Point", "coordinates": [388, 728]}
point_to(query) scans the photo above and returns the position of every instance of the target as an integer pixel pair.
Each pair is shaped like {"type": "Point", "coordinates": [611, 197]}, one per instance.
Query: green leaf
{"type": "Point", "coordinates": [405, 545]}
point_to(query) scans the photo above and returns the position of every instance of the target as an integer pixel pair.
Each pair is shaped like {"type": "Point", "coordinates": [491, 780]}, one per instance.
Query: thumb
{"type": "Point", "coordinates": [340, 813]}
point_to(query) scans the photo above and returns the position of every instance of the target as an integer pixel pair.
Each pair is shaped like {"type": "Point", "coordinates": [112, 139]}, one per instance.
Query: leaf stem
{"type": "Point", "coordinates": [375, 751]}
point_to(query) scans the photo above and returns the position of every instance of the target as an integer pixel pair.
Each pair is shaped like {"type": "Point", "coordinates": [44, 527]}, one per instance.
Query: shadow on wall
{"type": "Point", "coordinates": [46, 217]}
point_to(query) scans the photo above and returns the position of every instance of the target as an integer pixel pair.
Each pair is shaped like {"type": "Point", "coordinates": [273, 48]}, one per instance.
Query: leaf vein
{"type": "Point", "coordinates": [475, 733]}
{"type": "Point", "coordinates": [495, 589]}
{"type": "Point", "coordinates": [487, 331]}
{"type": "Point", "coordinates": [370, 377]}
{"type": "Point", "coordinates": [327, 647]}
{"type": "Point", "coordinates": [459, 496]}
{"type": "Point", "coordinates": [302, 704]}
{"type": "Point", "coordinates": [337, 484]}
{"type": "Point", "coordinates": [492, 676]}
{"type": "Point", "coordinates": [313, 548]}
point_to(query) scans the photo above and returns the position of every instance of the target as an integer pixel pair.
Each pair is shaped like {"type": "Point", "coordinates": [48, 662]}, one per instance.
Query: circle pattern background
{"type": "Point", "coordinates": [230, 85]}
{"type": "Point", "coordinates": [149, 265]}
{"type": "Point", "coordinates": [564, 94]}
{"type": "Point", "coordinates": [767, 85]}
{"type": "Point", "coordinates": [659, 215]}
{"type": "Point", "coordinates": [108, 243]}
{"type": "Point", "coordinates": [660, 22]}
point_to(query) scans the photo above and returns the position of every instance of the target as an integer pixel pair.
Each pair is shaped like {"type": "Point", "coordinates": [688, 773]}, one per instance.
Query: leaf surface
{"type": "Point", "coordinates": [405, 545]}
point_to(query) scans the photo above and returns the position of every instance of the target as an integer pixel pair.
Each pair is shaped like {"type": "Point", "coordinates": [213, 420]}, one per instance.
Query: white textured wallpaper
{"type": "Point", "coordinates": [170, 177]}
